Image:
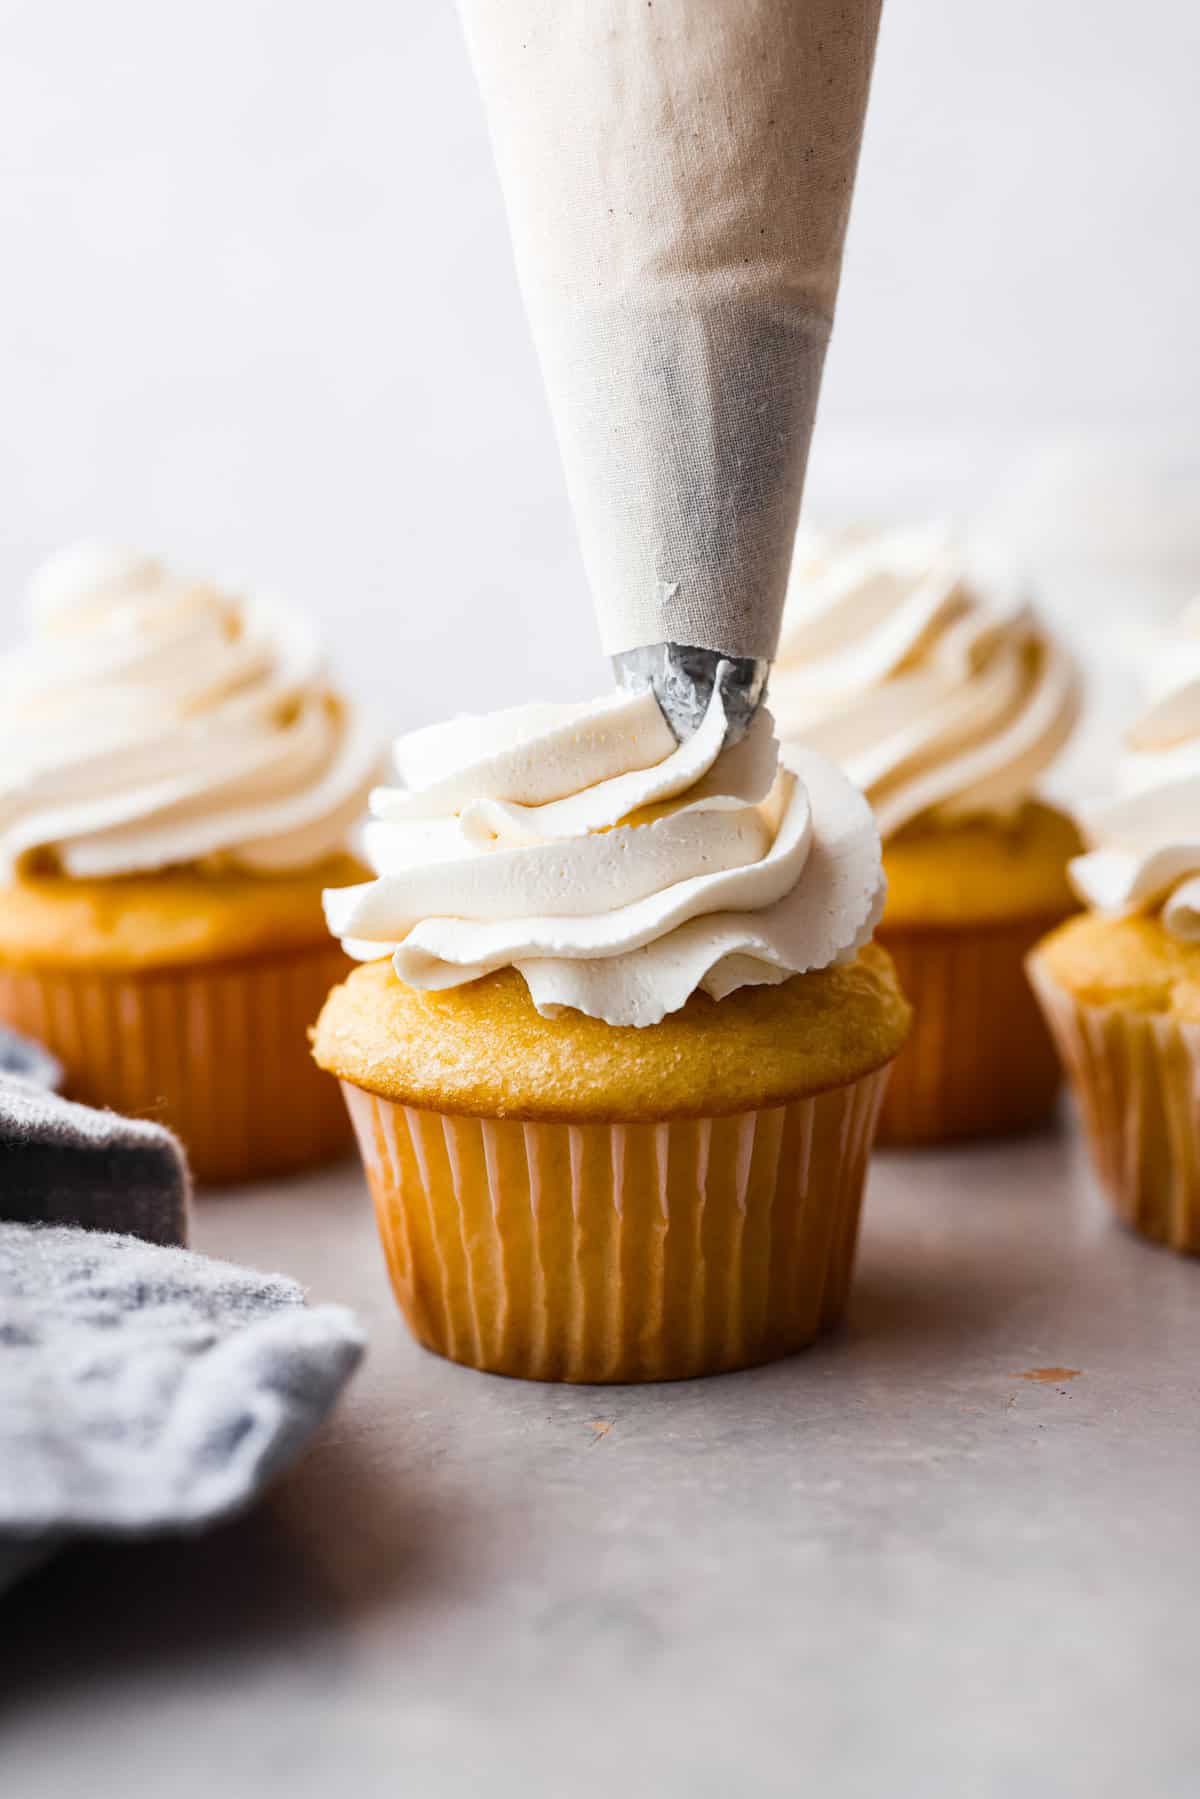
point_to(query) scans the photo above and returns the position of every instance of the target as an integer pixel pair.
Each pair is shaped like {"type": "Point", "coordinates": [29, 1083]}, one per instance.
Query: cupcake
{"type": "Point", "coordinates": [945, 703]}
{"type": "Point", "coordinates": [1120, 985]}
{"type": "Point", "coordinates": [178, 781]}
{"type": "Point", "coordinates": [615, 1058]}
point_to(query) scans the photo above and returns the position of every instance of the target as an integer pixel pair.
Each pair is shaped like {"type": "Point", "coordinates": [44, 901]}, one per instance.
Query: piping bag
{"type": "Point", "coordinates": [677, 175]}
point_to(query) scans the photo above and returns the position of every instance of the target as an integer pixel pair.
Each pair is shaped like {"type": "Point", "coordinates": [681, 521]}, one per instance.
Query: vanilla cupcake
{"type": "Point", "coordinates": [616, 1081]}
{"type": "Point", "coordinates": [945, 703]}
{"type": "Point", "coordinates": [178, 783]}
{"type": "Point", "coordinates": [1120, 985]}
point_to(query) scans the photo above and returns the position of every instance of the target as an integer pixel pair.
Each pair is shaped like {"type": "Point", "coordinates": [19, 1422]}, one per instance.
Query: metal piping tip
{"type": "Point", "coordinates": [683, 677]}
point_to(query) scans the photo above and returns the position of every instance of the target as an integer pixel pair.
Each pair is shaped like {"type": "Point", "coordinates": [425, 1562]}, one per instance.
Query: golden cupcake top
{"type": "Point", "coordinates": [173, 918]}
{"type": "Point", "coordinates": [484, 1048]}
{"type": "Point", "coordinates": [979, 872]}
{"type": "Point", "coordinates": [153, 721]}
{"type": "Point", "coordinates": [1133, 962]}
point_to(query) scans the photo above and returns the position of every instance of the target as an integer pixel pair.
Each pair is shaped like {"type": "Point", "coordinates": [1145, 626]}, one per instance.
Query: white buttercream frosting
{"type": "Point", "coordinates": [1144, 847]}
{"type": "Point", "coordinates": [617, 870]}
{"type": "Point", "coordinates": [150, 721]}
{"type": "Point", "coordinates": [938, 697]}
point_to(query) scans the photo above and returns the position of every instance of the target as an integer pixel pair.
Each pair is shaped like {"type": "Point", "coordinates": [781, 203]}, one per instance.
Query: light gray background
{"type": "Point", "coordinates": [257, 309]}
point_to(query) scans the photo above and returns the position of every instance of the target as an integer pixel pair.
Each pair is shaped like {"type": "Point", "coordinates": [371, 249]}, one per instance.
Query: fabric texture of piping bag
{"type": "Point", "coordinates": [677, 175]}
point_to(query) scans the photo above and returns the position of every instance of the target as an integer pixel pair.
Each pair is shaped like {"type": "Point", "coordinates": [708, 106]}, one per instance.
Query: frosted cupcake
{"type": "Point", "coordinates": [178, 781]}
{"type": "Point", "coordinates": [616, 1062]}
{"type": "Point", "coordinates": [1120, 985]}
{"type": "Point", "coordinates": [945, 703]}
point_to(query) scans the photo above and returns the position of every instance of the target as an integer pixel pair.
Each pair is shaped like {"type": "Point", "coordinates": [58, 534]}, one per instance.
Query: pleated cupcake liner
{"type": "Point", "coordinates": [217, 1052]}
{"type": "Point", "coordinates": [620, 1252]}
{"type": "Point", "coordinates": [980, 1061]}
{"type": "Point", "coordinates": [1136, 1077]}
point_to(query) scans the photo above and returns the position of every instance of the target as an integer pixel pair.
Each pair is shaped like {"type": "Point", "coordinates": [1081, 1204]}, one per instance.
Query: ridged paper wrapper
{"type": "Point", "coordinates": [980, 1061]}
{"type": "Point", "coordinates": [1136, 1076]}
{"type": "Point", "coordinates": [620, 1252]}
{"type": "Point", "coordinates": [217, 1051]}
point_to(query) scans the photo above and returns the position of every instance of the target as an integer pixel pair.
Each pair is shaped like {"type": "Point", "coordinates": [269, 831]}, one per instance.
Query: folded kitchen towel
{"type": "Point", "coordinates": [28, 1061]}
{"type": "Point", "coordinates": [143, 1389]}
{"type": "Point", "coordinates": [146, 1390]}
{"type": "Point", "coordinates": [66, 1164]}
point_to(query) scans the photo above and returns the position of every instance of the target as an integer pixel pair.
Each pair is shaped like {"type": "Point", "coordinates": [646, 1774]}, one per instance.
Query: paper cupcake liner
{"type": "Point", "coordinates": [980, 1061]}
{"type": "Point", "coordinates": [1136, 1076]}
{"type": "Point", "coordinates": [620, 1252]}
{"type": "Point", "coordinates": [218, 1052]}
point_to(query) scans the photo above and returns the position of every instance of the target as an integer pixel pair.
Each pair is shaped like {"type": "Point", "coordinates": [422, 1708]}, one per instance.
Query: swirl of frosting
{"type": "Point", "coordinates": [936, 698]}
{"type": "Point", "coordinates": [617, 870]}
{"type": "Point", "coordinates": [1144, 847]}
{"type": "Point", "coordinates": [151, 721]}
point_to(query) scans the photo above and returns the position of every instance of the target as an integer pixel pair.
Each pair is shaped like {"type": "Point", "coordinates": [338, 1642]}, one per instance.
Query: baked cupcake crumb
{"type": "Point", "coordinates": [1134, 963]}
{"type": "Point", "coordinates": [484, 1049]}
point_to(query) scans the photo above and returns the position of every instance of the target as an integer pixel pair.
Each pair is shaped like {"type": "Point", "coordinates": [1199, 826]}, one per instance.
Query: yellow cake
{"type": "Point", "coordinates": [1120, 986]}
{"type": "Point", "coordinates": [960, 874]}
{"type": "Point", "coordinates": [1132, 963]}
{"type": "Point", "coordinates": [177, 917]}
{"type": "Point", "coordinates": [178, 787]}
{"type": "Point", "coordinates": [567, 1199]}
{"type": "Point", "coordinates": [1123, 1000]}
{"type": "Point", "coordinates": [946, 702]}
{"type": "Point", "coordinates": [614, 1114]}
{"type": "Point", "coordinates": [184, 997]}
{"type": "Point", "coordinates": [966, 903]}
{"type": "Point", "coordinates": [483, 1050]}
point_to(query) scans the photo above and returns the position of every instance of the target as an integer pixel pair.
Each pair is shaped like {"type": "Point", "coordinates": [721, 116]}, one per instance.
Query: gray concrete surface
{"type": "Point", "coordinates": [895, 1565]}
